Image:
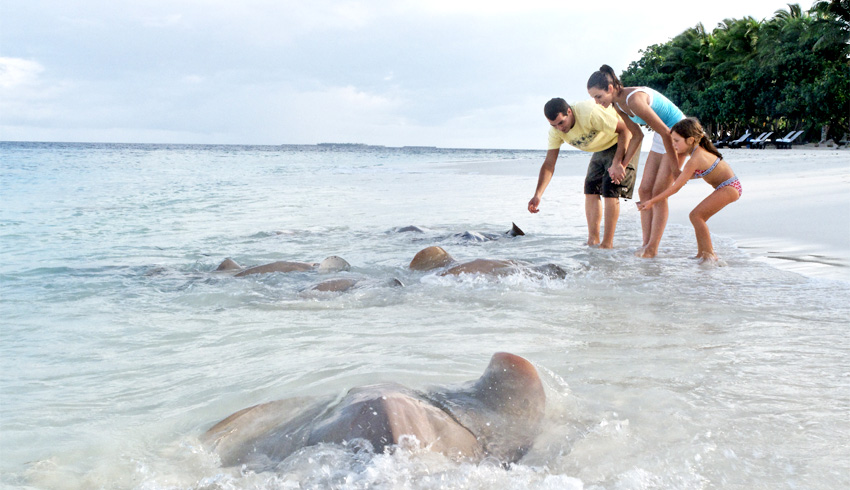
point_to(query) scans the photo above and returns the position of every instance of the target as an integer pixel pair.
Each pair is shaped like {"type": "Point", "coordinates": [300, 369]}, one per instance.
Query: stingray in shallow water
{"type": "Point", "coordinates": [341, 285]}
{"type": "Point", "coordinates": [434, 257]}
{"type": "Point", "coordinates": [476, 236]}
{"type": "Point", "coordinates": [326, 266]}
{"type": "Point", "coordinates": [497, 416]}
{"type": "Point", "coordinates": [467, 236]}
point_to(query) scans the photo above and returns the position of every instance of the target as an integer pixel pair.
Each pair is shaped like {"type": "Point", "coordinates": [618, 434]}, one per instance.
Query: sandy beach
{"type": "Point", "coordinates": [794, 213]}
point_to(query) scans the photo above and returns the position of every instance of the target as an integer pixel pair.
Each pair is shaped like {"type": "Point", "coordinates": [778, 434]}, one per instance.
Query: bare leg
{"type": "Point", "coordinates": [612, 214]}
{"type": "Point", "coordinates": [716, 201]}
{"type": "Point", "coordinates": [593, 211]}
{"type": "Point", "coordinates": [647, 182]}
{"type": "Point", "coordinates": [659, 212]}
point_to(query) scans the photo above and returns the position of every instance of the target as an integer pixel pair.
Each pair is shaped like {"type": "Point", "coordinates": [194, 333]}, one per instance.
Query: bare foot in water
{"type": "Point", "coordinates": [593, 242]}
{"type": "Point", "coordinates": [646, 253]}
{"type": "Point", "coordinates": [707, 258]}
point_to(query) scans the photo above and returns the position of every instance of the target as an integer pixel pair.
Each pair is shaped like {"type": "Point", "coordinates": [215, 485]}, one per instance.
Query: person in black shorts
{"type": "Point", "coordinates": [598, 180]}
{"type": "Point", "coordinates": [590, 127]}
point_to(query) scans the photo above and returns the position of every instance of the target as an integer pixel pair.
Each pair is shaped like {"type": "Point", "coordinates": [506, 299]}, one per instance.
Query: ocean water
{"type": "Point", "coordinates": [120, 345]}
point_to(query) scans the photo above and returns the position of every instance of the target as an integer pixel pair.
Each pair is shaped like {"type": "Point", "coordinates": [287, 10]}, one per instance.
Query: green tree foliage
{"type": "Point", "coordinates": [791, 71]}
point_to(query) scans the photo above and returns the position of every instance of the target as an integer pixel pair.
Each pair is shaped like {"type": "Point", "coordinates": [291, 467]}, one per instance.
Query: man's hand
{"type": "Point", "coordinates": [617, 172]}
{"type": "Point", "coordinates": [533, 205]}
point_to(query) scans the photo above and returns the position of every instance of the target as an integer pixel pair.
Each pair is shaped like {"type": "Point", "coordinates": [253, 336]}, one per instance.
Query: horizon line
{"type": "Point", "coordinates": [323, 144]}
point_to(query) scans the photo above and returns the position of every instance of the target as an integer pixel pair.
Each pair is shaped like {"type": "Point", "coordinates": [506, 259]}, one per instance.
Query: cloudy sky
{"type": "Point", "coordinates": [448, 73]}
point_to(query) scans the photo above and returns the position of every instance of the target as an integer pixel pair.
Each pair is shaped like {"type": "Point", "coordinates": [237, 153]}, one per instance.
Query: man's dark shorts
{"type": "Point", "coordinates": [598, 181]}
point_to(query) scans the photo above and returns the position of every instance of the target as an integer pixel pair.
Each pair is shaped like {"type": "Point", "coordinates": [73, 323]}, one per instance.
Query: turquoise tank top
{"type": "Point", "coordinates": [666, 110]}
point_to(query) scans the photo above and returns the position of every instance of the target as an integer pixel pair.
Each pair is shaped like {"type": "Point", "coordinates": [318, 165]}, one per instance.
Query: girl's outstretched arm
{"type": "Point", "coordinates": [680, 182]}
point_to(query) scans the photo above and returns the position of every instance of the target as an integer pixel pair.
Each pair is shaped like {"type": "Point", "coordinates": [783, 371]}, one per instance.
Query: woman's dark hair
{"type": "Point", "coordinates": [690, 127]}
{"type": "Point", "coordinates": [555, 106]}
{"type": "Point", "coordinates": [604, 77]}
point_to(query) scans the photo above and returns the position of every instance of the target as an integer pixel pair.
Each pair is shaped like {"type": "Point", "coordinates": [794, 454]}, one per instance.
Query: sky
{"type": "Point", "coordinates": [446, 73]}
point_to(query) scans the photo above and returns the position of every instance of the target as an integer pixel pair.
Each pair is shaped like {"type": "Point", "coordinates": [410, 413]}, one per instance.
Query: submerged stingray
{"type": "Point", "coordinates": [475, 236]}
{"type": "Point", "coordinates": [328, 265]}
{"type": "Point", "coordinates": [229, 265]}
{"type": "Point", "coordinates": [498, 416]}
{"type": "Point", "coordinates": [472, 236]}
{"type": "Point", "coordinates": [346, 284]}
{"type": "Point", "coordinates": [434, 257]}
{"type": "Point", "coordinates": [410, 229]}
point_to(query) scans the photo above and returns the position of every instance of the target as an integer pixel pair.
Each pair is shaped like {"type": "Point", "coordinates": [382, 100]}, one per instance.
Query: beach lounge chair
{"type": "Point", "coordinates": [720, 143]}
{"type": "Point", "coordinates": [779, 140]}
{"type": "Point", "coordinates": [761, 141]}
{"type": "Point", "coordinates": [738, 142]}
{"type": "Point", "coordinates": [785, 143]}
{"type": "Point", "coordinates": [755, 142]}
{"type": "Point", "coordinates": [746, 142]}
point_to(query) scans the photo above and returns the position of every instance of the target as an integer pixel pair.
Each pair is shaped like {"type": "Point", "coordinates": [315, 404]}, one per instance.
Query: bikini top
{"type": "Point", "coordinates": [700, 174]}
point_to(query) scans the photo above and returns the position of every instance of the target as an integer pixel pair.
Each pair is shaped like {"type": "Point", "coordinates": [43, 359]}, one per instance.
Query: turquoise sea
{"type": "Point", "coordinates": [120, 345]}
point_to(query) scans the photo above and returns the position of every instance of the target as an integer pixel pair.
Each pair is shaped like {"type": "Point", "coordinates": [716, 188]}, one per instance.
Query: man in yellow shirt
{"type": "Point", "coordinates": [590, 127]}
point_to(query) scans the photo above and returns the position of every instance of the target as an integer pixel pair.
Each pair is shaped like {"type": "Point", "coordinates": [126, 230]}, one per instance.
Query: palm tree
{"type": "Point", "coordinates": [735, 43]}
{"type": "Point", "coordinates": [832, 25]}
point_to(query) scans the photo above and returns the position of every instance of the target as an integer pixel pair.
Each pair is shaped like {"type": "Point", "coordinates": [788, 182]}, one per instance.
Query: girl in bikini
{"type": "Point", "coordinates": [705, 163]}
{"type": "Point", "coordinates": [643, 106]}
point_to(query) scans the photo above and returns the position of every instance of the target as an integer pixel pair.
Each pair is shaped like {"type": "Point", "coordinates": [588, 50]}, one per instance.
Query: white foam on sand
{"type": "Point", "coordinates": [794, 212]}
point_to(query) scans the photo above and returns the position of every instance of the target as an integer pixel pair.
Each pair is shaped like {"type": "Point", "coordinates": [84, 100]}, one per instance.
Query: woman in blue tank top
{"type": "Point", "coordinates": [643, 106]}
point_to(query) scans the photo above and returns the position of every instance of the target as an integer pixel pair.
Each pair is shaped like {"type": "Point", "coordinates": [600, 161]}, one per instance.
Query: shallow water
{"type": "Point", "coordinates": [119, 346]}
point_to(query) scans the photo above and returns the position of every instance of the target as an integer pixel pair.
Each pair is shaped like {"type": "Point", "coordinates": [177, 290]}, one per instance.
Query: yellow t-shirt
{"type": "Point", "coordinates": [595, 128]}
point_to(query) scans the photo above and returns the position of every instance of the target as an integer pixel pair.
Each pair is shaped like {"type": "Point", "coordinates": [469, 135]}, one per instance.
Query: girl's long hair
{"type": "Point", "coordinates": [604, 77]}
{"type": "Point", "coordinates": [690, 127]}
